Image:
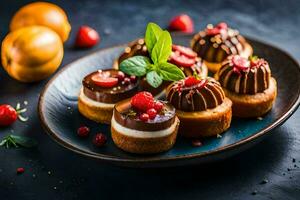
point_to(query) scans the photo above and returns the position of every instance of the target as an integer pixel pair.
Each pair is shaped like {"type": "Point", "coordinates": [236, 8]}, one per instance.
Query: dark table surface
{"type": "Point", "coordinates": [53, 172]}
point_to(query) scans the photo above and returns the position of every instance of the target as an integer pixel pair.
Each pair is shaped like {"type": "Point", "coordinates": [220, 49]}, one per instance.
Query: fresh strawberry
{"type": "Point", "coordinates": [213, 31]}
{"type": "Point", "coordinates": [188, 52]}
{"type": "Point", "coordinates": [240, 62]}
{"type": "Point", "coordinates": [222, 25]}
{"type": "Point", "coordinates": [182, 23]}
{"type": "Point", "coordinates": [191, 81]}
{"type": "Point", "coordinates": [104, 81]}
{"type": "Point", "coordinates": [86, 37]}
{"type": "Point", "coordinates": [181, 60]}
{"type": "Point", "coordinates": [142, 101]}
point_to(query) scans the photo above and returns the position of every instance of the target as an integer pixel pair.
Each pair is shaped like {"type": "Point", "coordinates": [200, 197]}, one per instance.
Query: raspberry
{"type": "Point", "coordinates": [152, 113]}
{"type": "Point", "coordinates": [99, 139]}
{"type": "Point", "coordinates": [83, 131]}
{"type": "Point", "coordinates": [142, 101]}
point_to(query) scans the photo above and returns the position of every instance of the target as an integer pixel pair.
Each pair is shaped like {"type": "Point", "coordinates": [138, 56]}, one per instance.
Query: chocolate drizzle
{"type": "Point", "coordinates": [215, 48]}
{"type": "Point", "coordinates": [251, 81]}
{"type": "Point", "coordinates": [202, 96]}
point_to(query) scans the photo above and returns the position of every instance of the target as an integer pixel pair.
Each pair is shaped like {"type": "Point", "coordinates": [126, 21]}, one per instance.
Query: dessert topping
{"type": "Point", "coordinates": [83, 131]}
{"type": "Point", "coordinates": [188, 52]}
{"type": "Point", "coordinates": [158, 106]}
{"type": "Point", "coordinates": [143, 101]}
{"type": "Point", "coordinates": [191, 81]}
{"type": "Point", "coordinates": [86, 37]}
{"type": "Point", "coordinates": [182, 23]}
{"type": "Point", "coordinates": [152, 113]}
{"type": "Point", "coordinates": [144, 117]}
{"type": "Point", "coordinates": [99, 139]}
{"type": "Point", "coordinates": [121, 76]}
{"type": "Point", "coordinates": [181, 60]}
{"type": "Point", "coordinates": [104, 80]}
{"type": "Point", "coordinates": [239, 64]}
{"type": "Point", "coordinates": [221, 27]}
{"type": "Point", "coordinates": [256, 62]}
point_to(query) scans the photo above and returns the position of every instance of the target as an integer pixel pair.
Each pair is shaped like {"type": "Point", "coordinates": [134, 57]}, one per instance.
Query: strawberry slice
{"type": "Point", "coordinates": [240, 62]}
{"type": "Point", "coordinates": [181, 60]}
{"type": "Point", "coordinates": [188, 52]}
{"type": "Point", "coordinates": [190, 81]}
{"type": "Point", "coordinates": [103, 81]}
{"type": "Point", "coordinates": [182, 23]}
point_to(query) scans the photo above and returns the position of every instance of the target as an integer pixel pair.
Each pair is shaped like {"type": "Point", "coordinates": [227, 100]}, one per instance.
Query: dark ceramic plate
{"type": "Point", "coordinates": [60, 117]}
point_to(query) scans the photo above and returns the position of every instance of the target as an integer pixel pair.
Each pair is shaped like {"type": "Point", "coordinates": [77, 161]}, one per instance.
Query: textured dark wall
{"type": "Point", "coordinates": [56, 173]}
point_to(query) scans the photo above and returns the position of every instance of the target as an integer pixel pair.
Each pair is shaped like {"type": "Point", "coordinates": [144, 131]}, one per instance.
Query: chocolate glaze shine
{"type": "Point", "coordinates": [108, 95]}
{"type": "Point", "coordinates": [161, 121]}
{"type": "Point", "coordinates": [254, 80]}
{"type": "Point", "coordinates": [215, 48]}
{"type": "Point", "coordinates": [195, 98]}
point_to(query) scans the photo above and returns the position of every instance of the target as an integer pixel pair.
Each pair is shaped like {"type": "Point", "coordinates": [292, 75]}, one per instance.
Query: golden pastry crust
{"type": "Point", "coordinates": [207, 123]}
{"type": "Point", "coordinates": [95, 113]}
{"type": "Point", "coordinates": [247, 106]}
{"type": "Point", "coordinates": [214, 67]}
{"type": "Point", "coordinates": [144, 145]}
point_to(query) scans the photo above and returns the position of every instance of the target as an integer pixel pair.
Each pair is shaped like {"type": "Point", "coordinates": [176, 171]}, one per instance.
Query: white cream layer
{"type": "Point", "coordinates": [91, 102]}
{"type": "Point", "coordinates": [143, 134]}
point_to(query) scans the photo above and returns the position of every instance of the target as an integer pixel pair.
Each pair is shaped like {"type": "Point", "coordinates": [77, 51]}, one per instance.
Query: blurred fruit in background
{"type": "Point", "coordinates": [86, 37]}
{"type": "Point", "coordinates": [44, 14]}
{"type": "Point", "coordinates": [182, 23]}
{"type": "Point", "coordinates": [31, 53]}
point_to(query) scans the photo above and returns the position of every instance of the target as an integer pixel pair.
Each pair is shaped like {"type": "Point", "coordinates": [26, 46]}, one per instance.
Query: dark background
{"type": "Point", "coordinates": [53, 172]}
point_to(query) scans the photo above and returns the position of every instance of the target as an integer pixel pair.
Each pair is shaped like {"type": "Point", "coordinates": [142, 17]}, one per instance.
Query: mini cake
{"type": "Point", "coordinates": [215, 43]}
{"type": "Point", "coordinates": [249, 85]}
{"type": "Point", "coordinates": [183, 57]}
{"type": "Point", "coordinates": [142, 125]}
{"type": "Point", "coordinates": [201, 106]}
{"type": "Point", "coordinates": [102, 90]}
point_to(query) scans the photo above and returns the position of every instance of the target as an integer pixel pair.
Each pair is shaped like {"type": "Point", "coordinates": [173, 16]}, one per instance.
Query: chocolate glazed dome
{"type": "Point", "coordinates": [214, 44]}
{"type": "Point", "coordinates": [252, 79]}
{"type": "Point", "coordinates": [205, 95]}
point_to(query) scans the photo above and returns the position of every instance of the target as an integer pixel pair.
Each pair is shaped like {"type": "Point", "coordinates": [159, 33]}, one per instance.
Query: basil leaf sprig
{"type": "Point", "coordinates": [156, 69]}
{"type": "Point", "coordinates": [16, 141]}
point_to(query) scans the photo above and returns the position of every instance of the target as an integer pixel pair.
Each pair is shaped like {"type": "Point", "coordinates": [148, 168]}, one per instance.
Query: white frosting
{"type": "Point", "coordinates": [143, 134]}
{"type": "Point", "coordinates": [91, 102]}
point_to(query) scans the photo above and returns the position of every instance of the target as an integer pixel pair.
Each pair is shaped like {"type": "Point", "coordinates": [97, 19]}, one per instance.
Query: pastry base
{"type": "Point", "coordinates": [144, 145]}
{"type": "Point", "coordinates": [214, 67]}
{"type": "Point", "coordinates": [206, 123]}
{"type": "Point", "coordinates": [96, 113]}
{"type": "Point", "coordinates": [256, 105]}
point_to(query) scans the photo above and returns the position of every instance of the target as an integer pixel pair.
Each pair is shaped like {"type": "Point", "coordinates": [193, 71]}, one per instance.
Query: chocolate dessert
{"type": "Point", "coordinates": [248, 83]}
{"type": "Point", "coordinates": [144, 125]}
{"type": "Point", "coordinates": [215, 43]}
{"type": "Point", "coordinates": [201, 106]}
{"type": "Point", "coordinates": [101, 90]}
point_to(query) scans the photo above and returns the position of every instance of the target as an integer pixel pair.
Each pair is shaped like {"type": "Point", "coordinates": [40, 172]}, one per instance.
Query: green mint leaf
{"type": "Point", "coordinates": [162, 49]}
{"type": "Point", "coordinates": [152, 34]}
{"type": "Point", "coordinates": [154, 79]}
{"type": "Point", "coordinates": [136, 65]}
{"type": "Point", "coordinates": [3, 142]}
{"type": "Point", "coordinates": [170, 72]}
{"type": "Point", "coordinates": [23, 141]}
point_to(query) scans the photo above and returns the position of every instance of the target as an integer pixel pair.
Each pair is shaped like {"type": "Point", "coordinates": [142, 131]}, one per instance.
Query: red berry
{"type": "Point", "coordinates": [142, 101]}
{"type": "Point", "coordinates": [20, 170]}
{"type": "Point", "coordinates": [158, 106]}
{"type": "Point", "coordinates": [182, 23]}
{"type": "Point", "coordinates": [188, 52]}
{"type": "Point", "coordinates": [8, 115]}
{"type": "Point", "coordinates": [86, 37]}
{"type": "Point", "coordinates": [83, 131]}
{"type": "Point", "coordinates": [99, 139]}
{"type": "Point", "coordinates": [181, 60]}
{"type": "Point", "coordinates": [120, 76]}
{"type": "Point", "coordinates": [213, 31]}
{"type": "Point", "coordinates": [240, 62]}
{"type": "Point", "coordinates": [104, 81]}
{"type": "Point", "coordinates": [133, 79]}
{"type": "Point", "coordinates": [126, 81]}
{"type": "Point", "coordinates": [152, 113]}
{"type": "Point", "coordinates": [191, 81]}
{"type": "Point", "coordinates": [222, 25]}
{"type": "Point", "coordinates": [144, 117]}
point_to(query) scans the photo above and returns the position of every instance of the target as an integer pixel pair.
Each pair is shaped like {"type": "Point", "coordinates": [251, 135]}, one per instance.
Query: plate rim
{"type": "Point", "coordinates": [116, 160]}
